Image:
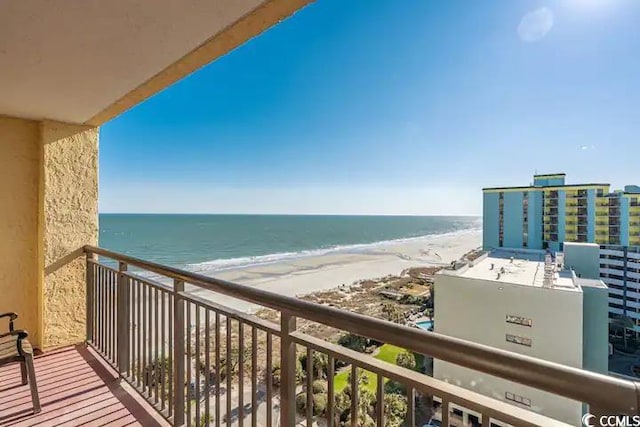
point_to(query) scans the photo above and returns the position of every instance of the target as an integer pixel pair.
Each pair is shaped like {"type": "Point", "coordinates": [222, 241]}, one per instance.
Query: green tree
{"type": "Point", "coordinates": [342, 406]}
{"type": "Point", "coordinates": [320, 364]}
{"type": "Point", "coordinates": [361, 380]}
{"type": "Point", "coordinates": [406, 360]}
{"type": "Point", "coordinates": [366, 400]}
{"type": "Point", "coordinates": [395, 410]}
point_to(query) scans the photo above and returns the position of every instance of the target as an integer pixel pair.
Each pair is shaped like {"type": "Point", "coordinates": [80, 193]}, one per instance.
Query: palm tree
{"type": "Point", "coordinates": [621, 322]}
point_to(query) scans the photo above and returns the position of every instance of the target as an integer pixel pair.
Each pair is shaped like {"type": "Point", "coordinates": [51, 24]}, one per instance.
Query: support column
{"type": "Point", "coordinates": [68, 220]}
{"type": "Point", "coordinates": [19, 274]}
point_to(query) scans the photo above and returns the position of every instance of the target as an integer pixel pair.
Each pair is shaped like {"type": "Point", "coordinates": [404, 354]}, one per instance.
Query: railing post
{"type": "Point", "coordinates": [90, 295]}
{"type": "Point", "coordinates": [178, 353]}
{"type": "Point", "coordinates": [287, 370]}
{"type": "Point", "coordinates": [123, 320]}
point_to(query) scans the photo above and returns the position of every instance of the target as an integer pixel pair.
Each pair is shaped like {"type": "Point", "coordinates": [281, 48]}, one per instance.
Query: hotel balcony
{"type": "Point", "coordinates": [163, 351]}
{"type": "Point", "coordinates": [123, 341]}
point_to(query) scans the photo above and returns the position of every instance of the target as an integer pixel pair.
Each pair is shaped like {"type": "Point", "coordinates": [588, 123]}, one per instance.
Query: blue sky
{"type": "Point", "coordinates": [389, 107]}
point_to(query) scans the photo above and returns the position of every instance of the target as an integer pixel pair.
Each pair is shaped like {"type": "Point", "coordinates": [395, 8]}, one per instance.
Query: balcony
{"type": "Point", "coordinates": [179, 350]}
{"type": "Point", "coordinates": [184, 359]}
{"type": "Point", "coordinates": [571, 210]}
{"type": "Point", "coordinates": [76, 388]}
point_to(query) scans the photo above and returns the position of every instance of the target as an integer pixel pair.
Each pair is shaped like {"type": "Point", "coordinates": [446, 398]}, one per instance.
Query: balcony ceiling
{"type": "Point", "coordinates": [87, 61]}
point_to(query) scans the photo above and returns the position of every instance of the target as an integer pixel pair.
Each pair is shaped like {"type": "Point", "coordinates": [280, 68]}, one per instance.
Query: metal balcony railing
{"type": "Point", "coordinates": [201, 363]}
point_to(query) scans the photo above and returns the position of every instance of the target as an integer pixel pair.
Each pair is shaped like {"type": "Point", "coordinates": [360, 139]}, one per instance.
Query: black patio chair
{"type": "Point", "coordinates": [15, 347]}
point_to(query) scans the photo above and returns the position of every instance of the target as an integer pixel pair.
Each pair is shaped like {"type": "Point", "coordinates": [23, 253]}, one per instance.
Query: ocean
{"type": "Point", "coordinates": [219, 242]}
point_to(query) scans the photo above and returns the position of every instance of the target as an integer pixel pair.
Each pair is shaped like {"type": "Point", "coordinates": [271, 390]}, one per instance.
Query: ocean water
{"type": "Point", "coordinates": [218, 242]}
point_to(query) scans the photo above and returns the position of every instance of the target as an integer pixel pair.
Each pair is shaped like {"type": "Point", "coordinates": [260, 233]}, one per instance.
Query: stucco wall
{"type": "Point", "coordinates": [19, 160]}
{"type": "Point", "coordinates": [69, 215]}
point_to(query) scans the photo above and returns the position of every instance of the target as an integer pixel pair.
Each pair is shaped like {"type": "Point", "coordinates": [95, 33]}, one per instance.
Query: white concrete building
{"type": "Point", "coordinates": [620, 270]}
{"type": "Point", "coordinates": [515, 301]}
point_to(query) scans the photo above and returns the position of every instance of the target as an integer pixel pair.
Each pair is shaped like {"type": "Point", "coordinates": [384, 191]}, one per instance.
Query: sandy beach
{"type": "Point", "coordinates": [304, 275]}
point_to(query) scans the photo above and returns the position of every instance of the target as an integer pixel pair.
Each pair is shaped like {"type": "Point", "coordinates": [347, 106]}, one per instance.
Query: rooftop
{"type": "Point", "coordinates": [526, 268]}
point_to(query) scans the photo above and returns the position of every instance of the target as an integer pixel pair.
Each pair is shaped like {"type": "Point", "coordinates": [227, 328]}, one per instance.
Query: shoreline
{"type": "Point", "coordinates": [307, 274]}
{"type": "Point", "coordinates": [217, 266]}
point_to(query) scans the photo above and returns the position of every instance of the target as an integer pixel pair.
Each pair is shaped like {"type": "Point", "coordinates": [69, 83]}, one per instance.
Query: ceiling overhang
{"type": "Point", "coordinates": [88, 61]}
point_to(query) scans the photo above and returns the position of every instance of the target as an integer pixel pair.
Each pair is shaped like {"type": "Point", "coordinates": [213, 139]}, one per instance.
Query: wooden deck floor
{"type": "Point", "coordinates": [76, 389]}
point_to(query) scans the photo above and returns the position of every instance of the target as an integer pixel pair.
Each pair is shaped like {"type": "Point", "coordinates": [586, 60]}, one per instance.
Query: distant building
{"type": "Point", "coordinates": [550, 213]}
{"type": "Point", "coordinates": [524, 301]}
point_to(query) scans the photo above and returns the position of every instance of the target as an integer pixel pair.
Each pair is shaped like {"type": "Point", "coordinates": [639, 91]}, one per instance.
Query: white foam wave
{"type": "Point", "coordinates": [253, 261]}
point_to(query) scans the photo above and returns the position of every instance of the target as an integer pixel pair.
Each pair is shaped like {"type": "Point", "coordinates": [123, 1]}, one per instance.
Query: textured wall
{"type": "Point", "coordinates": [19, 154]}
{"type": "Point", "coordinates": [69, 215]}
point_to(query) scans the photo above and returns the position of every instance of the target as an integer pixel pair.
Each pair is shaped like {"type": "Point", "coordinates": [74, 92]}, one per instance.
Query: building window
{"type": "Point", "coordinates": [518, 399]}
{"type": "Point", "coordinates": [518, 320]}
{"type": "Point", "coordinates": [519, 340]}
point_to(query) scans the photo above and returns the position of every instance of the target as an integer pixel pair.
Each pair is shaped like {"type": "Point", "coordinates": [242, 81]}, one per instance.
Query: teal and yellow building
{"type": "Point", "coordinates": [550, 212]}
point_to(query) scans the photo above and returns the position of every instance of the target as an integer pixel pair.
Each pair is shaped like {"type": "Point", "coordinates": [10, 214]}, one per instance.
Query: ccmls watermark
{"type": "Point", "coordinates": [590, 420]}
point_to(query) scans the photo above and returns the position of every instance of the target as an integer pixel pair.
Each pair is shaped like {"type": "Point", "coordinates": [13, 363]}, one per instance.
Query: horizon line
{"type": "Point", "coordinates": [287, 214]}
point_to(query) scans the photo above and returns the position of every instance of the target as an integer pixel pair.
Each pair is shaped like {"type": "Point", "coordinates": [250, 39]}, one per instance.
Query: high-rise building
{"type": "Point", "coordinates": [528, 302]}
{"type": "Point", "coordinates": [550, 212]}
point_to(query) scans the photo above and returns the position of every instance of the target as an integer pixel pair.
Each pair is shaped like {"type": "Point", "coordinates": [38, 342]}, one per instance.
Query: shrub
{"type": "Point", "coordinates": [406, 360]}
{"type": "Point", "coordinates": [393, 387]}
{"type": "Point", "coordinates": [342, 405]}
{"type": "Point", "coordinates": [276, 374]}
{"type": "Point", "coordinates": [319, 404]}
{"type": "Point", "coordinates": [319, 386]}
{"type": "Point", "coordinates": [301, 403]}
{"type": "Point", "coordinates": [353, 342]}
{"type": "Point", "coordinates": [392, 313]}
{"type": "Point", "coordinates": [320, 364]}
